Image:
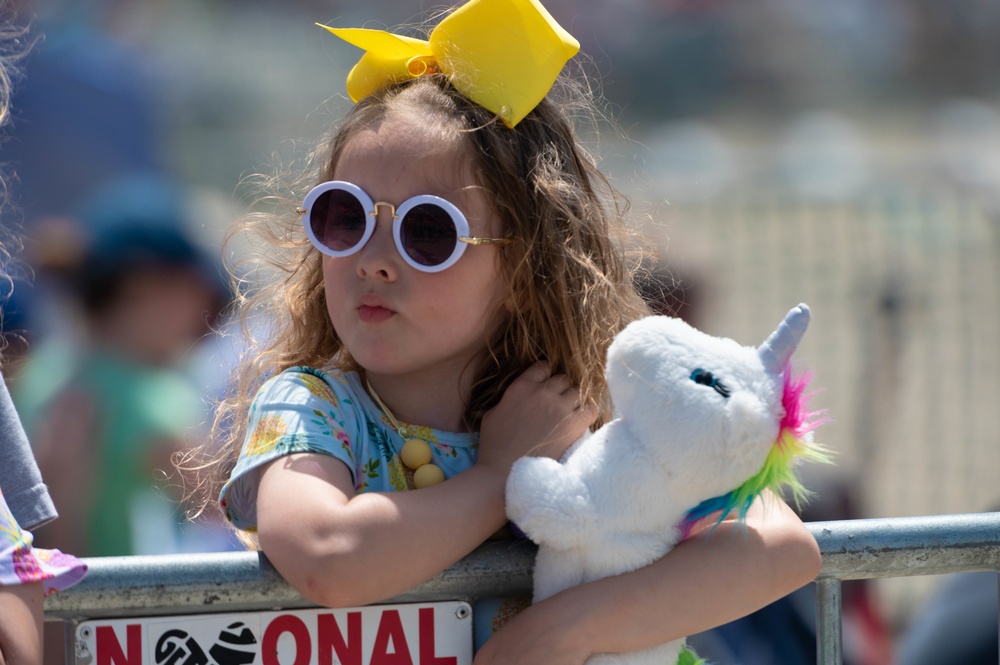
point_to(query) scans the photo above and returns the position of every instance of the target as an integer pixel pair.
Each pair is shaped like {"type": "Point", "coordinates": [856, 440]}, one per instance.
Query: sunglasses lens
{"type": "Point", "coordinates": [338, 220]}
{"type": "Point", "coordinates": [428, 234]}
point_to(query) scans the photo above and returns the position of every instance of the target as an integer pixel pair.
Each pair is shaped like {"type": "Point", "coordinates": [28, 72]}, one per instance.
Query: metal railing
{"type": "Point", "coordinates": [897, 547]}
{"type": "Point", "coordinates": [243, 581]}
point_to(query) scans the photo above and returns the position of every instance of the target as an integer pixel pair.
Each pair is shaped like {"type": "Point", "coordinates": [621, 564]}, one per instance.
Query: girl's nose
{"type": "Point", "coordinates": [379, 257]}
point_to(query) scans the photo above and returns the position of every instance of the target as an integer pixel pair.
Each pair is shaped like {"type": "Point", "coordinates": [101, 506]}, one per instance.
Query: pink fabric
{"type": "Point", "coordinates": [22, 564]}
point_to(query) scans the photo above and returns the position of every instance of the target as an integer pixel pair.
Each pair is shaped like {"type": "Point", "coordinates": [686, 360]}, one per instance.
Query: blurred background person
{"type": "Point", "coordinates": [784, 632]}
{"type": "Point", "coordinates": [107, 407]}
{"type": "Point", "coordinates": [957, 623]}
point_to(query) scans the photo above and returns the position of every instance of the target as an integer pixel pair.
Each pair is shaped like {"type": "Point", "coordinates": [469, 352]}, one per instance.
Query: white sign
{"type": "Point", "coordinates": [411, 634]}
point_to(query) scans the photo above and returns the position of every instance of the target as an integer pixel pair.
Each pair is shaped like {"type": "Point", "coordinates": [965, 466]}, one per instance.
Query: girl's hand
{"type": "Point", "coordinates": [539, 414]}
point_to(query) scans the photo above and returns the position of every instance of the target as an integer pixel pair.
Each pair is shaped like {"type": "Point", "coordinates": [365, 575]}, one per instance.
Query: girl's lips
{"type": "Point", "coordinates": [374, 313]}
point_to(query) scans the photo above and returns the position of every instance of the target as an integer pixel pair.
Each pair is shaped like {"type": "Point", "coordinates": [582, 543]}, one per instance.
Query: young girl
{"type": "Point", "coordinates": [486, 347]}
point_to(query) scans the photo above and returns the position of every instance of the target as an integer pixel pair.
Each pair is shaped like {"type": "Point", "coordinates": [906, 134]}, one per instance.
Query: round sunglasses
{"type": "Point", "coordinates": [431, 233]}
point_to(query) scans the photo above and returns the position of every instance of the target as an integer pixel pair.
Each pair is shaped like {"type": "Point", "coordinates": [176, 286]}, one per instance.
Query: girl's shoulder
{"type": "Point", "coordinates": [344, 390]}
{"type": "Point", "coordinates": [300, 410]}
{"type": "Point", "coordinates": [336, 387]}
{"type": "Point", "coordinates": [308, 401]}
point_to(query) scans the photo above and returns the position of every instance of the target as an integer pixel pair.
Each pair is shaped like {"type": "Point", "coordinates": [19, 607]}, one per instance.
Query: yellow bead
{"type": "Point", "coordinates": [415, 453]}
{"type": "Point", "coordinates": [427, 475]}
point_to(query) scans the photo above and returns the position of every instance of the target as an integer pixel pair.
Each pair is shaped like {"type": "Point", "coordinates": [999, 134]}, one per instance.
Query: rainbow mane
{"type": "Point", "coordinates": [791, 446]}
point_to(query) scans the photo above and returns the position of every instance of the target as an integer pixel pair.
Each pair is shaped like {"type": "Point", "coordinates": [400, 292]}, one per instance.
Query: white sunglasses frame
{"type": "Point", "coordinates": [463, 239]}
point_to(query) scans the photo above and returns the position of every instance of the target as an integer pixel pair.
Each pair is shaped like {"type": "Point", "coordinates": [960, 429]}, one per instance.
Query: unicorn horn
{"type": "Point", "coordinates": [776, 351]}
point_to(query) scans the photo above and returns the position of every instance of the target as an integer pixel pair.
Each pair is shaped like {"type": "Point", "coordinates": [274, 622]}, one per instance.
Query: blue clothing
{"type": "Point", "coordinates": [958, 624]}
{"type": "Point", "coordinates": [309, 410]}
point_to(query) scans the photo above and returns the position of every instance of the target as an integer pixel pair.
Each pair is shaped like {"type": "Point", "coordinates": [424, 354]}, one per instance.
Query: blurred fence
{"type": "Point", "coordinates": [905, 339]}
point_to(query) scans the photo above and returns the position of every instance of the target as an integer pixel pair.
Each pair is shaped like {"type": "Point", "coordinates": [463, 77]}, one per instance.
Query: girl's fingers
{"type": "Point", "coordinates": [539, 372]}
{"type": "Point", "coordinates": [560, 383]}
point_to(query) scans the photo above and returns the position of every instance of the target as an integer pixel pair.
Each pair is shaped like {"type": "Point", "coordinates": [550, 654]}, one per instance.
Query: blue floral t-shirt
{"type": "Point", "coordinates": [306, 410]}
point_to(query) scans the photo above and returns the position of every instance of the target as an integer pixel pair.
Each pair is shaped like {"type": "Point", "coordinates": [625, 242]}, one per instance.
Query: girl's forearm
{"type": "Point", "coordinates": [705, 582]}
{"type": "Point", "coordinates": [343, 550]}
{"type": "Point", "coordinates": [698, 586]}
{"type": "Point", "coordinates": [711, 579]}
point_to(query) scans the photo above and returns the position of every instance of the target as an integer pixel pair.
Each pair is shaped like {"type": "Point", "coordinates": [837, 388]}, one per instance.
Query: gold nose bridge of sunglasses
{"type": "Point", "coordinates": [392, 209]}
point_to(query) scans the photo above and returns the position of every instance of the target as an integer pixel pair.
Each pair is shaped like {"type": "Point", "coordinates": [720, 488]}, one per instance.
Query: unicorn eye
{"type": "Point", "coordinates": [705, 378]}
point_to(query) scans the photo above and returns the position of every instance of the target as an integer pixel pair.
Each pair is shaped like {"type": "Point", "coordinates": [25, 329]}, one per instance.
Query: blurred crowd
{"type": "Point", "coordinates": [121, 302]}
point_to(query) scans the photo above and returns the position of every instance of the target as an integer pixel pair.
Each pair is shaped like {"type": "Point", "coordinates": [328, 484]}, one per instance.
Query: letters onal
{"type": "Point", "coordinates": [413, 634]}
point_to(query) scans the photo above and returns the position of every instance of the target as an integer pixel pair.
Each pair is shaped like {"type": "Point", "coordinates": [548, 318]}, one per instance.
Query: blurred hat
{"type": "Point", "coordinates": [138, 223]}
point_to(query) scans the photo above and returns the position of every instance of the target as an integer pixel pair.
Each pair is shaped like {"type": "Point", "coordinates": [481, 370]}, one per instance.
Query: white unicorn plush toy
{"type": "Point", "coordinates": [704, 426]}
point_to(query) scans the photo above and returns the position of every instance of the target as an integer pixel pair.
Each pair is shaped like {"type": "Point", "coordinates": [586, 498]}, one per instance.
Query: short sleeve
{"type": "Point", "coordinates": [27, 496]}
{"type": "Point", "coordinates": [301, 410]}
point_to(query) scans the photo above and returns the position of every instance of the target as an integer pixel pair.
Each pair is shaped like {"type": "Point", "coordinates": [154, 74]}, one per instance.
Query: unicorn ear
{"type": "Point", "coordinates": [777, 350]}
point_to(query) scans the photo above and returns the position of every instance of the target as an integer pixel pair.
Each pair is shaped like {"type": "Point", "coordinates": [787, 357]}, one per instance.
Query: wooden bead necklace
{"type": "Point", "coordinates": [415, 453]}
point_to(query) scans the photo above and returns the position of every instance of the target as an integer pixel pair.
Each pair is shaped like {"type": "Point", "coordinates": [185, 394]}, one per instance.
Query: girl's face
{"type": "Point", "coordinates": [394, 319]}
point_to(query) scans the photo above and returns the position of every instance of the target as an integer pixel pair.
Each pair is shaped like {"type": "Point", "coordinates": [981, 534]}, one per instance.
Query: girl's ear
{"type": "Point", "coordinates": [510, 305]}
{"type": "Point", "coordinates": [515, 301]}
{"type": "Point", "coordinates": [510, 299]}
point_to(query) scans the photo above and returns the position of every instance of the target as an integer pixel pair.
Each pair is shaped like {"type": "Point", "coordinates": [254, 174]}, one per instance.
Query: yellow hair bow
{"type": "Point", "coordinates": [502, 54]}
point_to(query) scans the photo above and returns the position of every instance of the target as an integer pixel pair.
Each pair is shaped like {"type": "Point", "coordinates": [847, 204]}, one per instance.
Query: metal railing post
{"type": "Point", "coordinates": [69, 644]}
{"type": "Point", "coordinates": [829, 627]}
